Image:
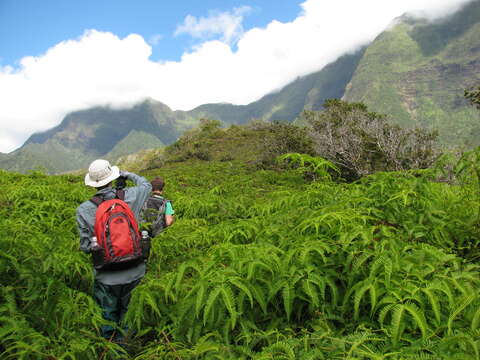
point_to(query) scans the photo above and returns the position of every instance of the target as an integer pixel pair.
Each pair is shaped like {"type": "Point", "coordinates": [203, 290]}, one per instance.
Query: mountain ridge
{"type": "Point", "coordinates": [416, 72]}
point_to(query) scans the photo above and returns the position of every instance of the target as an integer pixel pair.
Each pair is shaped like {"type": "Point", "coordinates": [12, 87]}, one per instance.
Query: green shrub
{"type": "Point", "coordinates": [282, 138]}
{"type": "Point", "coordinates": [360, 142]}
{"type": "Point", "coordinates": [473, 95]}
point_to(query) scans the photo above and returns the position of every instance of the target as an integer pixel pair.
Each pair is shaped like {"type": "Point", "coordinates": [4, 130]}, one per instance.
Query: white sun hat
{"type": "Point", "coordinates": [100, 173]}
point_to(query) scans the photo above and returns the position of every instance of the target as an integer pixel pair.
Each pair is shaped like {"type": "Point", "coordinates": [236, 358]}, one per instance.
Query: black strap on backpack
{"type": "Point", "coordinates": [98, 199]}
{"type": "Point", "coordinates": [120, 194]}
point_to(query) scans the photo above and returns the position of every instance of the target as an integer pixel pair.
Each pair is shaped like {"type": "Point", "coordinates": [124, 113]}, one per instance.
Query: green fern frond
{"type": "Point", "coordinates": [476, 320]}
{"type": "Point", "coordinates": [199, 301]}
{"type": "Point", "coordinates": [260, 297]}
{"type": "Point", "coordinates": [397, 323]}
{"type": "Point", "coordinates": [212, 299]}
{"type": "Point", "coordinates": [237, 282]}
{"type": "Point", "coordinates": [466, 301]}
{"type": "Point", "coordinates": [358, 298]}
{"type": "Point", "coordinates": [311, 291]}
{"type": "Point", "coordinates": [419, 317]}
{"type": "Point", "coordinates": [288, 295]}
{"type": "Point", "coordinates": [333, 289]}
{"type": "Point", "coordinates": [359, 261]}
{"type": "Point", "coordinates": [434, 303]}
{"type": "Point", "coordinates": [230, 304]}
{"type": "Point", "coordinates": [280, 350]}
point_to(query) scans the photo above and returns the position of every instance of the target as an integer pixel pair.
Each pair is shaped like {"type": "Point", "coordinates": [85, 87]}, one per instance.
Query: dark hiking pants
{"type": "Point", "coordinates": [113, 299]}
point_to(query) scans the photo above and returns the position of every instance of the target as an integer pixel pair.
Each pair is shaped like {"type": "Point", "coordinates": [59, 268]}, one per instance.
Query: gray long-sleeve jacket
{"type": "Point", "coordinates": [134, 197]}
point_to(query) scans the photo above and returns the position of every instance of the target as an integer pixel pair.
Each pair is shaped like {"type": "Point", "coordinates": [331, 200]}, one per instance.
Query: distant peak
{"type": "Point", "coordinates": [152, 102]}
{"type": "Point", "coordinates": [152, 105]}
{"type": "Point", "coordinates": [408, 19]}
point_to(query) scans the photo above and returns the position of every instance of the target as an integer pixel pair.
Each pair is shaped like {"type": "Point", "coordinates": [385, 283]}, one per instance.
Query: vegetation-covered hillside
{"type": "Point", "coordinates": [265, 261]}
{"type": "Point", "coordinates": [416, 73]}
{"type": "Point", "coordinates": [308, 92]}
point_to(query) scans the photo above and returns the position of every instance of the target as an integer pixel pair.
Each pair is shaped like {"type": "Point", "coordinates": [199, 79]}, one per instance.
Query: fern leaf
{"type": "Point", "coordinates": [280, 350]}
{"type": "Point", "coordinates": [458, 310]}
{"type": "Point", "coordinates": [241, 286]}
{"type": "Point", "coordinates": [311, 291]}
{"type": "Point", "coordinates": [333, 289]}
{"type": "Point", "coordinates": [253, 266]}
{"type": "Point", "coordinates": [358, 298]}
{"type": "Point", "coordinates": [373, 298]}
{"type": "Point", "coordinates": [229, 301]}
{"type": "Point", "coordinates": [210, 303]}
{"type": "Point", "coordinates": [200, 298]}
{"type": "Point", "coordinates": [259, 296]}
{"type": "Point", "coordinates": [288, 295]}
{"type": "Point", "coordinates": [388, 269]}
{"type": "Point", "coordinates": [434, 304]}
{"type": "Point", "coordinates": [358, 263]}
{"type": "Point", "coordinates": [419, 318]}
{"type": "Point", "coordinates": [151, 301]}
{"type": "Point", "coordinates": [397, 323]}
{"type": "Point", "coordinates": [275, 288]}
{"type": "Point", "coordinates": [475, 320]}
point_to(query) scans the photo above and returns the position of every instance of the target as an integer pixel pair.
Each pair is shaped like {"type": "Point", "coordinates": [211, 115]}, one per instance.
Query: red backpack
{"type": "Point", "coordinates": [117, 233]}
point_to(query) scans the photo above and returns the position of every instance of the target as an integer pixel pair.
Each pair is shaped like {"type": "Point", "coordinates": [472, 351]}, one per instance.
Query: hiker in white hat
{"type": "Point", "coordinates": [101, 173]}
{"type": "Point", "coordinates": [112, 285]}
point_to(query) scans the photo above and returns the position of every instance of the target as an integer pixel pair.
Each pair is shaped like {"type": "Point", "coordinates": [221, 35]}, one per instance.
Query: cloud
{"type": "Point", "coordinates": [97, 68]}
{"type": "Point", "coordinates": [100, 68]}
{"type": "Point", "coordinates": [155, 39]}
{"type": "Point", "coordinates": [227, 24]}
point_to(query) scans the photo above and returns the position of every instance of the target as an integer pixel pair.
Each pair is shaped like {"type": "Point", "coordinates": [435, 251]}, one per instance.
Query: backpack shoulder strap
{"type": "Point", "coordinates": [145, 204]}
{"type": "Point", "coordinates": [164, 205]}
{"type": "Point", "coordinates": [120, 194]}
{"type": "Point", "coordinates": [97, 200]}
{"type": "Point", "coordinates": [160, 204]}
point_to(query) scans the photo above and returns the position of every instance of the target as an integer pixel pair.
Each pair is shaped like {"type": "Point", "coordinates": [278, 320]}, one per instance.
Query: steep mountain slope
{"type": "Point", "coordinates": [134, 142]}
{"type": "Point", "coordinates": [416, 72]}
{"type": "Point", "coordinates": [97, 132]}
{"type": "Point", "coordinates": [50, 156]}
{"type": "Point", "coordinates": [308, 92]}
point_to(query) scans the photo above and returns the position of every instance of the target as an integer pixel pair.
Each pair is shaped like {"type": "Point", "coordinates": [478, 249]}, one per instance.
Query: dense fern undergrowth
{"type": "Point", "coordinates": [261, 264]}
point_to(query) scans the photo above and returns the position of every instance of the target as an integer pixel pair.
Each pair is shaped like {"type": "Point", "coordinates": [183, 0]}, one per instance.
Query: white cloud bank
{"type": "Point", "coordinates": [100, 68]}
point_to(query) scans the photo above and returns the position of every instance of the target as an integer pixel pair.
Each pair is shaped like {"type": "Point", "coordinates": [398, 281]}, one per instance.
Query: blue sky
{"type": "Point", "coordinates": [59, 56]}
{"type": "Point", "coordinates": [30, 27]}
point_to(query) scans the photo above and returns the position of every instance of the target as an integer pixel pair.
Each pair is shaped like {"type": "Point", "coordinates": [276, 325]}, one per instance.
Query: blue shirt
{"type": "Point", "coordinates": [169, 209]}
{"type": "Point", "coordinates": [134, 197]}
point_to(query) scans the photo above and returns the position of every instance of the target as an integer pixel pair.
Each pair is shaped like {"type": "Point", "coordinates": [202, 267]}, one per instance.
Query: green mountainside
{"type": "Point", "coordinates": [134, 142]}
{"type": "Point", "coordinates": [51, 156]}
{"type": "Point", "coordinates": [309, 92]}
{"type": "Point", "coordinates": [99, 132]}
{"type": "Point", "coordinates": [416, 72]}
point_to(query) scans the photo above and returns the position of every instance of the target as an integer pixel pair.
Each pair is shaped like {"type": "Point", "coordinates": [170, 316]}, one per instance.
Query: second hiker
{"type": "Point", "coordinates": [157, 211]}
